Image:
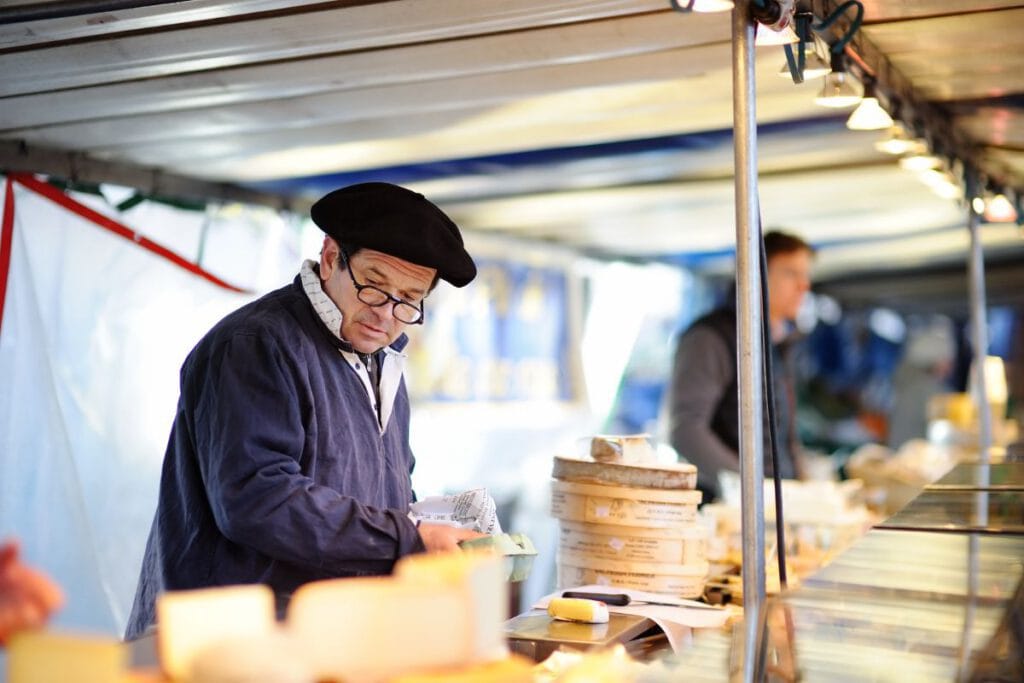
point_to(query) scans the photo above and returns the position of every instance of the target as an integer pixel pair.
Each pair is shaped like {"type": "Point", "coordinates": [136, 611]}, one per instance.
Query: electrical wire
{"type": "Point", "coordinates": [799, 62]}
{"type": "Point", "coordinates": [769, 394]}
{"type": "Point", "coordinates": [854, 26]}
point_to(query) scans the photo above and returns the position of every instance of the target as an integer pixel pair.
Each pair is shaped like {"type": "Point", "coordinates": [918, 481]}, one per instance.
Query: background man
{"type": "Point", "coordinates": [703, 403]}
{"type": "Point", "coordinates": [289, 457]}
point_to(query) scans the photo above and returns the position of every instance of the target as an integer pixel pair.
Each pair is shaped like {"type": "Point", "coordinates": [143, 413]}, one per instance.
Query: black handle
{"type": "Point", "coordinates": [617, 599]}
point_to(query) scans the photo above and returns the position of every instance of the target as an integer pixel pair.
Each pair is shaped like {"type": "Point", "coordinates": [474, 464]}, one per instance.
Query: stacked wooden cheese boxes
{"type": "Point", "coordinates": [627, 520]}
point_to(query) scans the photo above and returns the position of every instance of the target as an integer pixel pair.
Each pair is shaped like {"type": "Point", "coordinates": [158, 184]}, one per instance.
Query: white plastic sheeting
{"type": "Point", "coordinates": [94, 329]}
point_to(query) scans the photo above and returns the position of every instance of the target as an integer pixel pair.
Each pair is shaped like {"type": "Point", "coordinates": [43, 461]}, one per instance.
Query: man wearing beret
{"type": "Point", "coordinates": [289, 457]}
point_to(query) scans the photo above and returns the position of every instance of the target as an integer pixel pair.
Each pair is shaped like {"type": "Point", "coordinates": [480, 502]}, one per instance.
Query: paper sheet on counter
{"type": "Point", "coordinates": [474, 509]}
{"type": "Point", "coordinates": [676, 622]}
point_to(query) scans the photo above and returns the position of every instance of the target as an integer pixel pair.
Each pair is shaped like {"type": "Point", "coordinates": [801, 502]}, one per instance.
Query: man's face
{"type": "Point", "coordinates": [789, 278]}
{"type": "Point", "coordinates": [371, 328]}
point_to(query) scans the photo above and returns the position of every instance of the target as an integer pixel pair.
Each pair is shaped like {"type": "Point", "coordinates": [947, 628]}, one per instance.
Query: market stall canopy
{"type": "Point", "coordinates": [604, 126]}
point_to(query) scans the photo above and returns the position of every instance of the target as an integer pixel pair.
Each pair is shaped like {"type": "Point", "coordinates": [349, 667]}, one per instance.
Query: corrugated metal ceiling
{"type": "Point", "coordinates": [600, 125]}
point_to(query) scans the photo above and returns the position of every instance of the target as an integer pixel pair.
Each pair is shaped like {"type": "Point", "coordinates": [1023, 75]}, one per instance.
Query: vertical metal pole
{"type": "Point", "coordinates": [964, 658]}
{"type": "Point", "coordinates": [750, 365]}
{"type": "Point", "coordinates": [979, 338]}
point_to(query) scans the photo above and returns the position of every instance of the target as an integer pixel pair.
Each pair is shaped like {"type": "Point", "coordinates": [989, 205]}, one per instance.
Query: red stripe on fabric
{"type": "Point", "coordinates": [6, 241]}
{"type": "Point", "coordinates": [58, 197]}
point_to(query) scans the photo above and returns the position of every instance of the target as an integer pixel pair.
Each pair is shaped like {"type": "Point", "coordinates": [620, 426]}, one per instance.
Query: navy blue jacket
{"type": "Point", "coordinates": [277, 470]}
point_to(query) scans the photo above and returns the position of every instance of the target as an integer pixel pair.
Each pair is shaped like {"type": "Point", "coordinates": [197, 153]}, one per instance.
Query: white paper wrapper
{"type": "Point", "coordinates": [473, 509]}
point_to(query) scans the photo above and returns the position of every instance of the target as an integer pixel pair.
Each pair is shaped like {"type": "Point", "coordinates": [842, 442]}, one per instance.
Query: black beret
{"type": "Point", "coordinates": [396, 221]}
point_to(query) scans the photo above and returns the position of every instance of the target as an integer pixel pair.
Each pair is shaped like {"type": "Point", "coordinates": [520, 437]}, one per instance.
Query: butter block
{"type": "Point", "coordinates": [191, 621]}
{"type": "Point", "coordinates": [46, 657]}
{"type": "Point", "coordinates": [578, 609]}
{"type": "Point", "coordinates": [437, 610]}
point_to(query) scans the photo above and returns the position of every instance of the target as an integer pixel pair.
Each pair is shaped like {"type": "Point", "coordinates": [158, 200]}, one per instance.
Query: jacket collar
{"type": "Point", "coordinates": [327, 313]}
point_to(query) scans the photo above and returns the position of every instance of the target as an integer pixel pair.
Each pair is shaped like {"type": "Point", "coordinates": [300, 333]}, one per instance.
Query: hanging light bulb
{"type": "Point", "coordinates": [941, 183]}
{"type": "Point", "coordinates": [839, 88]}
{"type": "Point", "coordinates": [869, 114]}
{"type": "Point", "coordinates": [898, 141]}
{"type": "Point", "coordinates": [702, 5]}
{"type": "Point", "coordinates": [998, 209]}
{"type": "Point", "coordinates": [920, 162]}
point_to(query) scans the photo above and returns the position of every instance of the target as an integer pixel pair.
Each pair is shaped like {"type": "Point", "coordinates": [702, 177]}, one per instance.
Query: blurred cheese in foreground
{"type": "Point", "coordinates": [190, 621]}
{"type": "Point", "coordinates": [41, 657]}
{"type": "Point", "coordinates": [512, 669]}
{"type": "Point", "coordinates": [438, 610]}
{"type": "Point", "coordinates": [270, 658]}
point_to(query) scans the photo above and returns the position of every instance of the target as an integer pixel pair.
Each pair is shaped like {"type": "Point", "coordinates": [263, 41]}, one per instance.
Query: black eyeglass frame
{"type": "Point", "coordinates": [393, 300]}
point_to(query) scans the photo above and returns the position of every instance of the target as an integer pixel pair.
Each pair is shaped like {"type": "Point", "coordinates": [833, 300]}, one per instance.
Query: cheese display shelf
{"type": "Point", "coordinates": [944, 511]}
{"type": "Point", "coordinates": [1004, 476]}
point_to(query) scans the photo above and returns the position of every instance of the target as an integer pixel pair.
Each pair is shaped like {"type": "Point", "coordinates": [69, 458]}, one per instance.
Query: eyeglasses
{"type": "Point", "coordinates": [405, 312]}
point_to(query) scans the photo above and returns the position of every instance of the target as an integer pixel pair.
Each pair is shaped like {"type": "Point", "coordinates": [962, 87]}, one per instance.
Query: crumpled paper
{"type": "Point", "coordinates": [474, 509]}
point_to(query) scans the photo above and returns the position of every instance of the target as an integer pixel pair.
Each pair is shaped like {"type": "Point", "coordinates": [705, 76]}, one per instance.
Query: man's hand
{"type": "Point", "coordinates": [27, 597]}
{"type": "Point", "coordinates": [442, 538]}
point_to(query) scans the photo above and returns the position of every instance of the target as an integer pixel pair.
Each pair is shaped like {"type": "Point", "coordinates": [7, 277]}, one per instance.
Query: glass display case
{"type": "Point", "coordinates": [934, 593]}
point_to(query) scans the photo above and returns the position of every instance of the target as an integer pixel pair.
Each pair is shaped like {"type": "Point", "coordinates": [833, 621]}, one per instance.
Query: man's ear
{"type": "Point", "coordinates": [328, 258]}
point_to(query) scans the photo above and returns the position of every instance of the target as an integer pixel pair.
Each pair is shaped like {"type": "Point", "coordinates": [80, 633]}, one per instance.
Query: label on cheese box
{"type": "Point", "coordinates": [582, 507]}
{"type": "Point", "coordinates": [686, 545]}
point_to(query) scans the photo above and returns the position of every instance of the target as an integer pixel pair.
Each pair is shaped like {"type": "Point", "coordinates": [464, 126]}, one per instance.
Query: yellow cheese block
{"type": "Point", "coordinates": [512, 669]}
{"type": "Point", "coordinates": [438, 610]}
{"type": "Point", "coordinates": [191, 621]}
{"type": "Point", "coordinates": [578, 609]}
{"type": "Point", "coordinates": [45, 657]}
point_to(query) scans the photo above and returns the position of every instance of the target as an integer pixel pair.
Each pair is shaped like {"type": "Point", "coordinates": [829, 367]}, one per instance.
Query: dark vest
{"type": "Point", "coordinates": [726, 420]}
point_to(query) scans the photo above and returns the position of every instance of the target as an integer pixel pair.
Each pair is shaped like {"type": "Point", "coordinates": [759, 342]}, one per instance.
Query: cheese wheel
{"type": "Point", "coordinates": [655, 475]}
